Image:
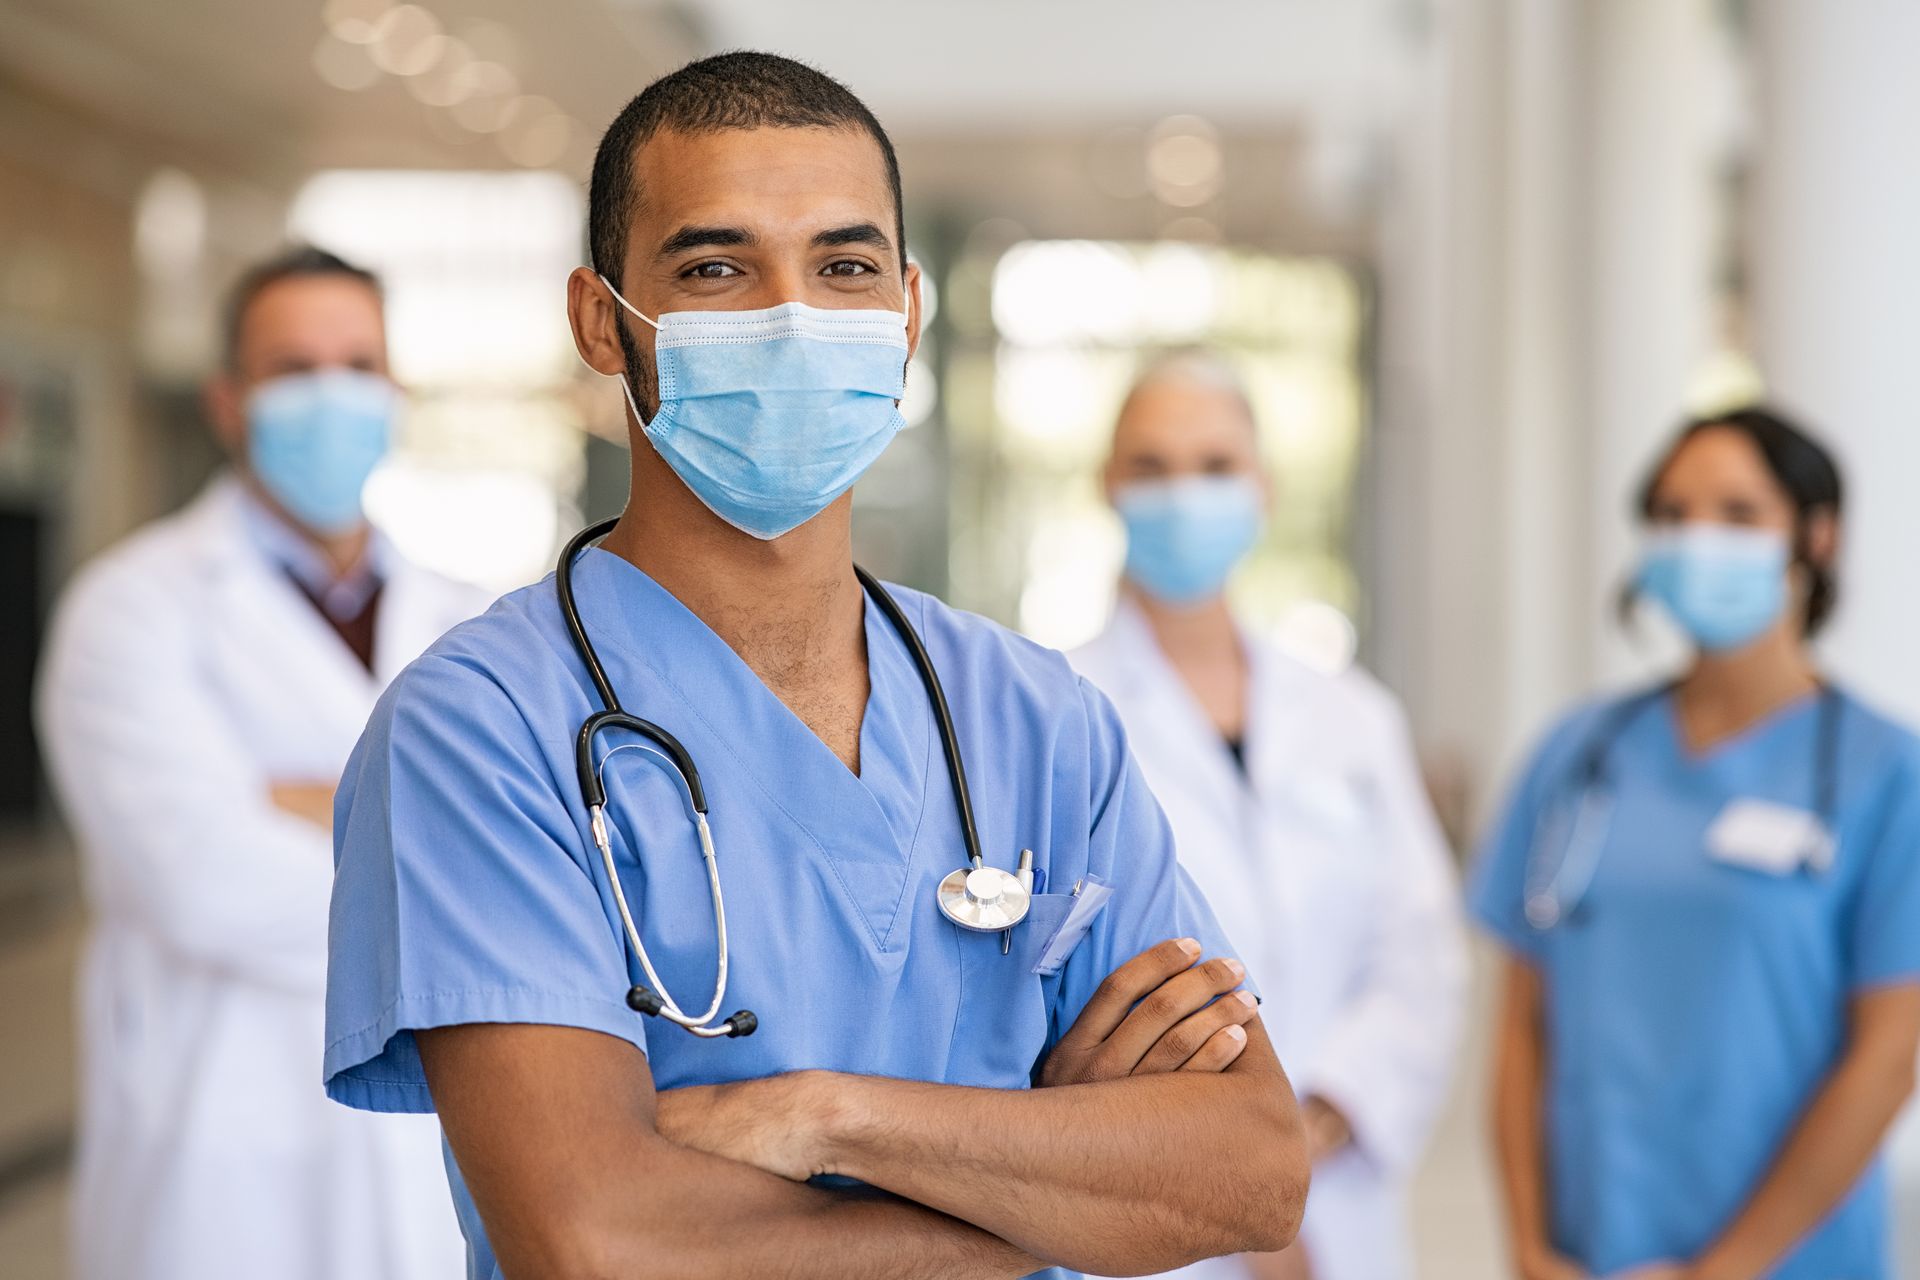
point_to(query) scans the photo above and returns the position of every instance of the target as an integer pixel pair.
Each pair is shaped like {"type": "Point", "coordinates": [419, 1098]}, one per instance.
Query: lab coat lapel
{"type": "Point", "coordinates": [415, 610]}
{"type": "Point", "coordinates": [1167, 710]}
{"type": "Point", "coordinates": [1217, 816]}
{"type": "Point", "coordinates": [1278, 746]}
{"type": "Point", "coordinates": [724, 707]}
{"type": "Point", "coordinates": [268, 618]}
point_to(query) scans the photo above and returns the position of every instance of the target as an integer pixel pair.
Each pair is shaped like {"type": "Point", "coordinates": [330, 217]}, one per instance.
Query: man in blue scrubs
{"type": "Point", "coordinates": [751, 287]}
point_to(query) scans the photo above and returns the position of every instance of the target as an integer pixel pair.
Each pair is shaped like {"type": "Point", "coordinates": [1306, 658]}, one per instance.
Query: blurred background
{"type": "Point", "coordinates": [1473, 257]}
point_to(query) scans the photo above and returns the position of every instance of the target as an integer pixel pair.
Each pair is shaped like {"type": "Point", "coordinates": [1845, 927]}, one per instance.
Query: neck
{"type": "Point", "coordinates": [1202, 646]}
{"type": "Point", "coordinates": [343, 552]}
{"type": "Point", "coordinates": [1724, 692]}
{"type": "Point", "coordinates": [1200, 629]}
{"type": "Point", "coordinates": [792, 600]}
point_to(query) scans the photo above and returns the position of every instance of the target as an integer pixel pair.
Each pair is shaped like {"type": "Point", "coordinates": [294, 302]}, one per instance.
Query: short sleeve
{"type": "Point", "coordinates": [1884, 946]}
{"type": "Point", "coordinates": [1497, 884]}
{"type": "Point", "coordinates": [1131, 847]}
{"type": "Point", "coordinates": [461, 890]}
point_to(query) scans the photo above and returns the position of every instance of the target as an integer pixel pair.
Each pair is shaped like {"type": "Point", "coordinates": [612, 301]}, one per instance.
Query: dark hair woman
{"type": "Point", "coordinates": [1709, 893]}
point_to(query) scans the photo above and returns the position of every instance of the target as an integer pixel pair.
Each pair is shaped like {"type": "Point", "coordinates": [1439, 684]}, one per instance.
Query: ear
{"type": "Point", "coordinates": [1109, 478]}
{"type": "Point", "coordinates": [595, 318]}
{"type": "Point", "coordinates": [1263, 477]}
{"type": "Point", "coordinates": [225, 402]}
{"type": "Point", "coordinates": [911, 283]}
{"type": "Point", "coordinates": [1820, 539]}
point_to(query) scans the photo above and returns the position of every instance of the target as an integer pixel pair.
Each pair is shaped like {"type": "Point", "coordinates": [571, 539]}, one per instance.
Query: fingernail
{"type": "Point", "coordinates": [1236, 1032]}
{"type": "Point", "coordinates": [1239, 970]}
{"type": "Point", "coordinates": [1188, 947]}
{"type": "Point", "coordinates": [1245, 998]}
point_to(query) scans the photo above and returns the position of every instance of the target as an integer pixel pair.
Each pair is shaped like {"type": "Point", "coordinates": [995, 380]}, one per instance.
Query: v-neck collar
{"type": "Point", "coordinates": [1232, 782]}
{"type": "Point", "coordinates": [1735, 744]}
{"type": "Point", "coordinates": [867, 825]}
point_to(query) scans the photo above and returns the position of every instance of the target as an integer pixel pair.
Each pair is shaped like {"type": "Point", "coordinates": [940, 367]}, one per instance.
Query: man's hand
{"type": "Point", "coordinates": [1327, 1129]}
{"type": "Point", "coordinates": [1152, 1014]}
{"type": "Point", "coordinates": [1290, 1263]}
{"type": "Point", "coordinates": [1542, 1262]}
{"type": "Point", "coordinates": [310, 800]}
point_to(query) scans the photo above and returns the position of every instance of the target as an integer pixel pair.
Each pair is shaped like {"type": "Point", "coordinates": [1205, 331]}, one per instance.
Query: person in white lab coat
{"type": "Point", "coordinates": [1297, 807]}
{"type": "Point", "coordinates": [203, 684]}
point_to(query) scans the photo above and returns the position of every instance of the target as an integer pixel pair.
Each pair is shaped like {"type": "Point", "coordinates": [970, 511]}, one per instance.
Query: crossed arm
{"type": "Point", "coordinates": [1130, 1164]}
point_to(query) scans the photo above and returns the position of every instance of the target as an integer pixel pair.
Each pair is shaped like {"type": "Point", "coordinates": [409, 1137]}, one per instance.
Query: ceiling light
{"type": "Point", "coordinates": [407, 40]}
{"type": "Point", "coordinates": [344, 64]}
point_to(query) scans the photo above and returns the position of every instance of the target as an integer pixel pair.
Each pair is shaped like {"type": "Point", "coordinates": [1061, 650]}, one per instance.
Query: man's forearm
{"type": "Point", "coordinates": [1133, 1175]}
{"type": "Point", "coordinates": [553, 1130]}
{"type": "Point", "coordinates": [709, 1218]}
{"type": "Point", "coordinates": [747, 1223]}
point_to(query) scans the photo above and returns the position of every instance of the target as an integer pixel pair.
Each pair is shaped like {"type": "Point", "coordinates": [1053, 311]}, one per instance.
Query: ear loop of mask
{"type": "Point", "coordinates": [626, 383]}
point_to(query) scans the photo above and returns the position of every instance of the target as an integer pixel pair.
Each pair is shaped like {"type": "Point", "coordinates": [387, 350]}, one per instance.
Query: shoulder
{"type": "Point", "coordinates": [449, 594]}
{"type": "Point", "coordinates": [1103, 658]}
{"type": "Point", "coordinates": [1018, 686]}
{"type": "Point", "coordinates": [981, 646]}
{"type": "Point", "coordinates": [150, 571]}
{"type": "Point", "coordinates": [472, 668]}
{"type": "Point", "coordinates": [1352, 698]}
{"type": "Point", "coordinates": [1877, 743]}
{"type": "Point", "coordinates": [1584, 726]}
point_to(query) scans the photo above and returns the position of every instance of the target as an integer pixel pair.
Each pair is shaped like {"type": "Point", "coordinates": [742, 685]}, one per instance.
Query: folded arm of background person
{"type": "Point", "coordinates": [554, 1127]}
{"type": "Point", "coordinates": [175, 816]}
{"type": "Point", "coordinates": [1387, 1061]}
{"type": "Point", "coordinates": [1121, 1177]}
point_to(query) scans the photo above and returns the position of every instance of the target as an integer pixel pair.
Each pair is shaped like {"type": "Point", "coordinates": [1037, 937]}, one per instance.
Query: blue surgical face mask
{"type": "Point", "coordinates": [1722, 585]}
{"type": "Point", "coordinates": [1184, 536]}
{"type": "Point", "coordinates": [314, 438]}
{"type": "Point", "coordinates": [768, 416]}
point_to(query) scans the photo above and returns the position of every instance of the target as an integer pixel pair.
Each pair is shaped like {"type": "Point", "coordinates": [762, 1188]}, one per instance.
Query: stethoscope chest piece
{"type": "Point", "coordinates": [984, 899]}
{"type": "Point", "coordinates": [1543, 912]}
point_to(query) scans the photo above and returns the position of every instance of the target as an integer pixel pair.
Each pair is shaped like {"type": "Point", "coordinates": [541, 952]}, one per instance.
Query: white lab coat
{"type": "Point", "coordinates": [183, 673]}
{"type": "Point", "coordinates": [1326, 867]}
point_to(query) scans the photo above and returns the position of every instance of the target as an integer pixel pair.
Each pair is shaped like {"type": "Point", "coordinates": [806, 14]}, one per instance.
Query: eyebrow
{"type": "Point", "coordinates": [858, 233]}
{"type": "Point", "coordinates": [706, 238]}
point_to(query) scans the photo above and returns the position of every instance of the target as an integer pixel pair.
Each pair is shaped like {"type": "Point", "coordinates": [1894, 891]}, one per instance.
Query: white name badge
{"type": "Point", "coordinates": [1088, 899]}
{"type": "Point", "coordinates": [1775, 838]}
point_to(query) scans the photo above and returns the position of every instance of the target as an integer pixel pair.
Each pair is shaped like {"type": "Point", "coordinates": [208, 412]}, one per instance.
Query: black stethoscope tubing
{"type": "Point", "coordinates": [1595, 767]}
{"type": "Point", "coordinates": [1593, 775]}
{"type": "Point", "coordinates": [613, 716]}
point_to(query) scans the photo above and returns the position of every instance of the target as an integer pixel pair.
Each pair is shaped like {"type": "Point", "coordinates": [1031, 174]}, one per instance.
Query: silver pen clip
{"type": "Point", "coordinates": [1026, 882]}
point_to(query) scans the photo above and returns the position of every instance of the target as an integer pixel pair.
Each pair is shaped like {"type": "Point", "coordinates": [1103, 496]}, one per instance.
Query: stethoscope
{"type": "Point", "coordinates": [1554, 890]}
{"type": "Point", "coordinates": [977, 897]}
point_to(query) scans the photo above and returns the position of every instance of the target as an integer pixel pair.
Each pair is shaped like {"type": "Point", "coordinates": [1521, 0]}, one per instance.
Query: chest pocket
{"type": "Point", "coordinates": [1001, 1028]}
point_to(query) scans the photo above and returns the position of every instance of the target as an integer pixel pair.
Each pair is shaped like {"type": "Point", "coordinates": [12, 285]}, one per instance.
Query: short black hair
{"type": "Point", "coordinates": [740, 90]}
{"type": "Point", "coordinates": [301, 261]}
{"type": "Point", "coordinates": [1804, 469]}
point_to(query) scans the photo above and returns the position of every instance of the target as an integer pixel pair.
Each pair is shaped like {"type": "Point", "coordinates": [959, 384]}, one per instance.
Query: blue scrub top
{"type": "Point", "coordinates": [1694, 1007]}
{"type": "Point", "coordinates": [467, 889]}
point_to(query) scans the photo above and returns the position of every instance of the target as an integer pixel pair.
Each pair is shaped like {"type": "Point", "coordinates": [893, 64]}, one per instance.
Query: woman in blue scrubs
{"type": "Point", "coordinates": [1709, 896]}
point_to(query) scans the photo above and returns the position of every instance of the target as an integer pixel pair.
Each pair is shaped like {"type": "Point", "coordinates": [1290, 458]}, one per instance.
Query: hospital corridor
{"type": "Point", "coordinates": [1245, 640]}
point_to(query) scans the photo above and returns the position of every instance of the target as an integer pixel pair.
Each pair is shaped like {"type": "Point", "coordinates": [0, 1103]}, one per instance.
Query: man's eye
{"type": "Point", "coordinates": [712, 271]}
{"type": "Point", "coordinates": [848, 267]}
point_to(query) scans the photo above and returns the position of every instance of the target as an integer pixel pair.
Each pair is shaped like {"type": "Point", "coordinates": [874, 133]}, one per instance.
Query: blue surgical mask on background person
{"type": "Point", "coordinates": [1722, 585]}
{"type": "Point", "coordinates": [1184, 536]}
{"type": "Point", "coordinates": [314, 438]}
{"type": "Point", "coordinates": [769, 415]}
